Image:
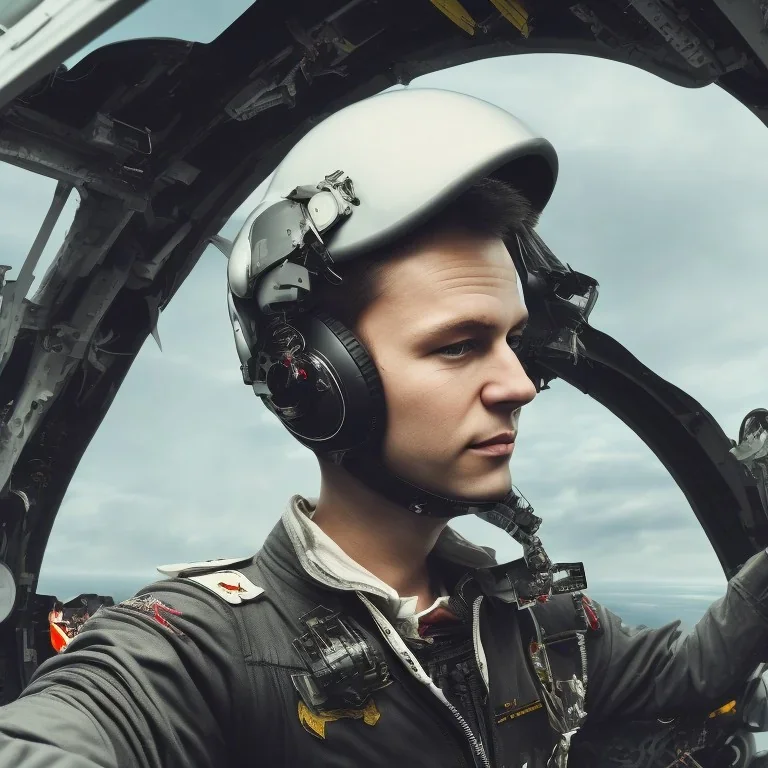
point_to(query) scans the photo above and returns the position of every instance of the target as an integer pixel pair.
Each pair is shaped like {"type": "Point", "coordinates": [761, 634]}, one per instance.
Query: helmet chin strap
{"type": "Point", "coordinates": [366, 467]}
{"type": "Point", "coordinates": [526, 580]}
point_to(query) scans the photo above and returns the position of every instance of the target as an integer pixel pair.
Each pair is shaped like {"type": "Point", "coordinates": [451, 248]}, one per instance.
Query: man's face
{"type": "Point", "coordinates": [442, 331]}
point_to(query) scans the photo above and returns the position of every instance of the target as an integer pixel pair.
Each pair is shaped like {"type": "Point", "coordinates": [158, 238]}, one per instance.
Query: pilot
{"type": "Point", "coordinates": [379, 303]}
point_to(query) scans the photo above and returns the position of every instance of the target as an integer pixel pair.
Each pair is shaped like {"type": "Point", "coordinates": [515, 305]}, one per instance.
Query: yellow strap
{"type": "Point", "coordinates": [724, 710]}
{"type": "Point", "coordinates": [457, 13]}
{"type": "Point", "coordinates": [515, 14]}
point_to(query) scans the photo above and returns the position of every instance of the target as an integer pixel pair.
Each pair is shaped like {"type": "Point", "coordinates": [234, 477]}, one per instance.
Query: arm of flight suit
{"type": "Point", "coordinates": [150, 683]}
{"type": "Point", "coordinates": [654, 673]}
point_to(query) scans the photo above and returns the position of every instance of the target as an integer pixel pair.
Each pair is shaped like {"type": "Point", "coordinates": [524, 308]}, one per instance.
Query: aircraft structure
{"type": "Point", "coordinates": [163, 139]}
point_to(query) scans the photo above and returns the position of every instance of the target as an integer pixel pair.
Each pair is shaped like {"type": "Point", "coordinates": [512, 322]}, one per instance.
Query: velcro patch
{"type": "Point", "coordinates": [231, 586]}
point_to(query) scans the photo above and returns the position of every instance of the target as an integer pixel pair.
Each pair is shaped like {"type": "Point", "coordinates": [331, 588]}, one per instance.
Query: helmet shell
{"type": "Point", "coordinates": [409, 152]}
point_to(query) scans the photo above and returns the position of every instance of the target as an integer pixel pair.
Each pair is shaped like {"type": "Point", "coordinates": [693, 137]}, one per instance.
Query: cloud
{"type": "Point", "coordinates": [661, 197]}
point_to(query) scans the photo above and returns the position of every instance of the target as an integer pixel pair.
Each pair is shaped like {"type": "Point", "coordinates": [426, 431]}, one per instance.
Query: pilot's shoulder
{"type": "Point", "coordinates": [224, 577]}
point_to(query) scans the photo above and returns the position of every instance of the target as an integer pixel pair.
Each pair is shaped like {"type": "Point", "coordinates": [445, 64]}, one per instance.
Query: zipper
{"type": "Point", "coordinates": [477, 747]}
{"type": "Point", "coordinates": [482, 664]}
{"type": "Point", "coordinates": [446, 729]}
{"type": "Point", "coordinates": [480, 659]}
{"type": "Point", "coordinates": [583, 652]}
{"type": "Point", "coordinates": [399, 647]}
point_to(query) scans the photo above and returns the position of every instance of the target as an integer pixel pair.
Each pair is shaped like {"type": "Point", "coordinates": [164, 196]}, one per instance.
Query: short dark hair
{"type": "Point", "coordinates": [488, 208]}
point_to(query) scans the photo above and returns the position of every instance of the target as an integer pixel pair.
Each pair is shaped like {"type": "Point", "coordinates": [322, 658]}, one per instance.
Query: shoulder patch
{"type": "Point", "coordinates": [176, 569]}
{"type": "Point", "coordinates": [231, 586]}
{"type": "Point", "coordinates": [151, 606]}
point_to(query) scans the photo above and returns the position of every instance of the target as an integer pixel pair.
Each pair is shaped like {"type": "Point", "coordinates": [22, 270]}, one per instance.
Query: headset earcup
{"type": "Point", "coordinates": [358, 353]}
{"type": "Point", "coordinates": [348, 410]}
{"type": "Point", "coordinates": [367, 419]}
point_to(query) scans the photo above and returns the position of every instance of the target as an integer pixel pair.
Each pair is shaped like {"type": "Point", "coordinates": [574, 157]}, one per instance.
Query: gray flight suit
{"type": "Point", "coordinates": [189, 675]}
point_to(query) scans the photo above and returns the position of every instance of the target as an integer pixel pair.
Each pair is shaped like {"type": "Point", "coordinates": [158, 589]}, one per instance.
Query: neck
{"type": "Point", "coordinates": [389, 541]}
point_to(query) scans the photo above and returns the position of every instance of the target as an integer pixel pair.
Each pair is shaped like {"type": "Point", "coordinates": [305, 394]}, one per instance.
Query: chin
{"type": "Point", "coordinates": [493, 487]}
{"type": "Point", "coordinates": [495, 492]}
{"type": "Point", "coordinates": [466, 485]}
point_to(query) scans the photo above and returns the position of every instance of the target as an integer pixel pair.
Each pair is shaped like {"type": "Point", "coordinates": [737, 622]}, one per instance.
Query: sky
{"type": "Point", "coordinates": [661, 196]}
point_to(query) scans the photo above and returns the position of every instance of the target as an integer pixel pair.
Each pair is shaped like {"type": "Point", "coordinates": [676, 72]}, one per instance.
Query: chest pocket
{"type": "Point", "coordinates": [538, 672]}
{"type": "Point", "coordinates": [344, 668]}
{"type": "Point", "coordinates": [322, 698]}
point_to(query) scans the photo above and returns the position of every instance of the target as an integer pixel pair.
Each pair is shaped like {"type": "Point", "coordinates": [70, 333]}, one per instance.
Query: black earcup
{"type": "Point", "coordinates": [360, 357]}
{"type": "Point", "coordinates": [338, 403]}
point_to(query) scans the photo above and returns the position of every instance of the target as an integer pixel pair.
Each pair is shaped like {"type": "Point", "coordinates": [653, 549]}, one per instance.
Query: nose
{"type": "Point", "coordinates": [508, 385]}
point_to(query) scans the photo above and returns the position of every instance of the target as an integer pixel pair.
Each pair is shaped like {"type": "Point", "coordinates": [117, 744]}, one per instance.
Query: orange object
{"type": "Point", "coordinates": [59, 637]}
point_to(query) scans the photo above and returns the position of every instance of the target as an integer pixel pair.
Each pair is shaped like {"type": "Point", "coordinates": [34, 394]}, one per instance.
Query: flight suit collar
{"type": "Point", "coordinates": [325, 562]}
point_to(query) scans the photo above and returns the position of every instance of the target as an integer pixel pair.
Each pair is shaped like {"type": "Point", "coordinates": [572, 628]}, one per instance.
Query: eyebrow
{"type": "Point", "coordinates": [467, 325]}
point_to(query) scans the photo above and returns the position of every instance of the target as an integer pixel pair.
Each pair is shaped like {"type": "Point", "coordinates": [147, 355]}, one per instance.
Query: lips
{"type": "Point", "coordinates": [504, 438]}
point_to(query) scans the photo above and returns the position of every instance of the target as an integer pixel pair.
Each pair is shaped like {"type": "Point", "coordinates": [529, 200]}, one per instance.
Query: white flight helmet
{"type": "Point", "coordinates": [366, 176]}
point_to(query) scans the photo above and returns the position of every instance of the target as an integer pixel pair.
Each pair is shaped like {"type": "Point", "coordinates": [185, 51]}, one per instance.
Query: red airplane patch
{"type": "Point", "coordinates": [150, 606]}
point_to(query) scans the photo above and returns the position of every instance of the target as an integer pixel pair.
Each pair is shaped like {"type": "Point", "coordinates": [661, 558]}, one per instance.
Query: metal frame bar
{"type": "Point", "coordinates": [49, 34]}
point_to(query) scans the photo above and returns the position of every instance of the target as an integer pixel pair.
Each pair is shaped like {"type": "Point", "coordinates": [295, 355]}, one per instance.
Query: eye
{"type": "Point", "coordinates": [458, 350]}
{"type": "Point", "coordinates": [516, 343]}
